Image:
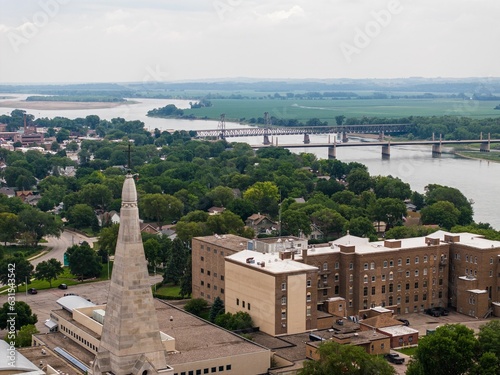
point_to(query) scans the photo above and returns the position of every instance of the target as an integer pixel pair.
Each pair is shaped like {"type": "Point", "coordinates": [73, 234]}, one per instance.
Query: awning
{"type": "Point", "coordinates": [50, 324]}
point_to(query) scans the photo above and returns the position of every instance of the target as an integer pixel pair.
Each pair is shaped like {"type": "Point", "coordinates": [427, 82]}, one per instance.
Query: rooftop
{"type": "Point", "coordinates": [273, 263]}
{"type": "Point", "coordinates": [398, 330]}
{"type": "Point", "coordinates": [229, 241]}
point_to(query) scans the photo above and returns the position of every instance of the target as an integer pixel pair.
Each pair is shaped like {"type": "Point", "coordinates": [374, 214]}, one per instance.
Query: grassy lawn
{"type": "Point", "coordinates": [169, 290]}
{"type": "Point", "coordinates": [27, 252]}
{"type": "Point", "coordinates": [408, 351]}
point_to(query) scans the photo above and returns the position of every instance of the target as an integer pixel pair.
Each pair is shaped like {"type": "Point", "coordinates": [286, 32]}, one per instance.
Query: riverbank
{"type": "Point", "coordinates": [48, 105]}
{"type": "Point", "coordinates": [465, 156]}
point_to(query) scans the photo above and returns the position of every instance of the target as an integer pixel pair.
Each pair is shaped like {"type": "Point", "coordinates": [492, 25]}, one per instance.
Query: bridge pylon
{"type": "Point", "coordinates": [221, 127]}
{"type": "Point", "coordinates": [485, 146]}
{"type": "Point", "coordinates": [307, 140]}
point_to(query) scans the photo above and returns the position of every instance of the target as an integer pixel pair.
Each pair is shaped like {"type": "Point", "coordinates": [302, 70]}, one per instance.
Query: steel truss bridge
{"type": "Point", "coordinates": [222, 132]}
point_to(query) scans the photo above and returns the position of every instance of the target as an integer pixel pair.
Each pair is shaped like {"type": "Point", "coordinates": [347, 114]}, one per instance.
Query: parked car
{"type": "Point", "coordinates": [433, 312]}
{"type": "Point", "coordinates": [394, 358]}
{"type": "Point", "coordinates": [406, 322]}
{"type": "Point", "coordinates": [32, 291]}
{"type": "Point", "coordinates": [443, 311]}
{"type": "Point", "coordinates": [63, 286]}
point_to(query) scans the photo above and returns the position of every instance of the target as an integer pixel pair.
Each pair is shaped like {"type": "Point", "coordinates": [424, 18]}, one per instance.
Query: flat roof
{"type": "Point", "coordinates": [18, 363]}
{"type": "Point", "coordinates": [229, 241]}
{"type": "Point", "coordinates": [73, 302]}
{"type": "Point", "coordinates": [398, 330]}
{"type": "Point", "coordinates": [272, 262]}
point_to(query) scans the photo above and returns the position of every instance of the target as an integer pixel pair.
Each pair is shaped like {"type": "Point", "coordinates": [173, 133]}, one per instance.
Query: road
{"type": "Point", "coordinates": [58, 246]}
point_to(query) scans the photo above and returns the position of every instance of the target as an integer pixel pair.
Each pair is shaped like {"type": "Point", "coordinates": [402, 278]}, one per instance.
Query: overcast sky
{"type": "Point", "coordinates": [166, 40]}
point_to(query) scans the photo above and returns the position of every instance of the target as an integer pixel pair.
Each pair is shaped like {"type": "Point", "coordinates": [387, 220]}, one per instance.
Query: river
{"type": "Point", "coordinates": [477, 180]}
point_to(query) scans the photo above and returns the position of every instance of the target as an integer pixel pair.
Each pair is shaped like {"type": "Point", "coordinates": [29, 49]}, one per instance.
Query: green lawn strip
{"type": "Point", "coordinates": [408, 351]}
{"type": "Point", "coordinates": [169, 291]}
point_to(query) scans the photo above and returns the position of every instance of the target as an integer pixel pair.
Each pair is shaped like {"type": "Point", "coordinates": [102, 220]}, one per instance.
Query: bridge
{"type": "Point", "coordinates": [222, 133]}
{"type": "Point", "coordinates": [436, 144]}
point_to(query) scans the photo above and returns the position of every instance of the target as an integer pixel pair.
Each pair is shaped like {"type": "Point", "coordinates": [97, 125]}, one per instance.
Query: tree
{"type": "Point", "coordinates": [9, 226]}
{"type": "Point", "coordinates": [233, 322]}
{"type": "Point", "coordinates": [361, 227]}
{"type": "Point", "coordinates": [24, 315]}
{"type": "Point", "coordinates": [39, 223]}
{"type": "Point", "coordinates": [82, 216]}
{"type": "Point", "coordinates": [225, 222]}
{"type": "Point", "coordinates": [196, 306]}
{"type": "Point", "coordinates": [186, 282]}
{"type": "Point", "coordinates": [48, 270]}
{"type": "Point", "coordinates": [177, 263]}
{"type": "Point", "coordinates": [161, 207]}
{"type": "Point", "coordinates": [358, 180]}
{"type": "Point", "coordinates": [151, 249]}
{"type": "Point", "coordinates": [329, 221]}
{"type": "Point", "coordinates": [296, 222]}
{"type": "Point", "coordinates": [489, 337]}
{"type": "Point", "coordinates": [263, 194]}
{"type": "Point", "coordinates": [15, 268]}
{"type": "Point", "coordinates": [443, 213]}
{"type": "Point", "coordinates": [449, 351]}
{"type": "Point", "coordinates": [390, 210]}
{"type": "Point", "coordinates": [216, 309]}
{"type": "Point", "coordinates": [107, 239]}
{"type": "Point", "coordinates": [335, 358]}
{"type": "Point", "coordinates": [390, 187]}
{"type": "Point", "coordinates": [83, 261]}
{"type": "Point", "coordinates": [96, 195]}
{"type": "Point", "coordinates": [221, 196]}
{"type": "Point", "coordinates": [435, 193]}
{"type": "Point", "coordinates": [339, 119]}
{"type": "Point", "coordinates": [23, 337]}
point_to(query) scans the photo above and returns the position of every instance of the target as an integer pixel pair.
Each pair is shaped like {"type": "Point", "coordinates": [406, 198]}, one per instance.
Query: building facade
{"type": "Point", "coordinates": [353, 275]}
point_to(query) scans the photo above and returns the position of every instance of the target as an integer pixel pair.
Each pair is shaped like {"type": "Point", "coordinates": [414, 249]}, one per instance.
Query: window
{"type": "Point", "coordinates": [425, 258]}
{"type": "Point", "coordinates": [391, 275]}
{"type": "Point", "coordinates": [383, 277]}
{"type": "Point", "coordinates": [407, 273]}
{"type": "Point", "coordinates": [336, 277]}
{"type": "Point", "coordinates": [385, 264]}
{"type": "Point", "coordinates": [336, 289]}
{"type": "Point", "coordinates": [407, 299]}
{"type": "Point", "coordinates": [425, 271]}
{"type": "Point", "coordinates": [213, 369]}
{"type": "Point", "coordinates": [391, 263]}
{"type": "Point", "coordinates": [399, 287]}
{"type": "Point", "coordinates": [308, 311]}
{"type": "Point", "coordinates": [391, 288]}
{"type": "Point", "coordinates": [208, 273]}
{"type": "Point", "coordinates": [373, 278]}
{"type": "Point", "coordinates": [202, 270]}
{"type": "Point", "coordinates": [283, 315]}
{"type": "Point", "coordinates": [309, 283]}
{"type": "Point", "coordinates": [383, 288]}
{"type": "Point", "coordinates": [208, 248]}
{"type": "Point", "coordinates": [407, 261]}
{"type": "Point", "coordinates": [373, 290]}
{"type": "Point", "coordinates": [467, 258]}
{"type": "Point", "coordinates": [424, 297]}
{"type": "Point", "coordinates": [399, 300]}
{"type": "Point", "coordinates": [407, 286]}
{"type": "Point", "coordinates": [365, 291]}
{"type": "Point", "coordinates": [202, 258]}
{"type": "Point", "coordinates": [228, 367]}
{"type": "Point", "coordinates": [202, 247]}
{"type": "Point", "coordinates": [416, 273]}
{"type": "Point", "coordinates": [283, 286]}
{"type": "Point", "coordinates": [415, 298]}
{"type": "Point", "coordinates": [243, 304]}
{"type": "Point", "coordinates": [416, 260]}
{"type": "Point", "coordinates": [351, 277]}
{"type": "Point", "coordinates": [372, 265]}
{"type": "Point", "coordinates": [365, 266]}
{"type": "Point", "coordinates": [440, 294]}
{"type": "Point", "coordinates": [390, 300]}
{"type": "Point", "coordinates": [202, 283]}
{"type": "Point", "coordinates": [208, 285]}
{"type": "Point", "coordinates": [351, 266]}
{"type": "Point", "coordinates": [222, 253]}
{"type": "Point", "coordinates": [440, 281]}
{"type": "Point", "coordinates": [365, 279]}
{"type": "Point", "coordinates": [325, 266]}
{"type": "Point", "coordinates": [400, 262]}
{"type": "Point", "coordinates": [215, 274]}
{"type": "Point", "coordinates": [337, 265]}
{"type": "Point", "coordinates": [221, 290]}
{"type": "Point", "coordinates": [283, 300]}
{"type": "Point", "coordinates": [205, 371]}
{"type": "Point", "coordinates": [491, 260]}
{"type": "Point", "coordinates": [221, 368]}
{"type": "Point", "coordinates": [222, 277]}
{"type": "Point", "coordinates": [425, 284]}
{"type": "Point", "coordinates": [237, 301]}
{"type": "Point", "coordinates": [416, 285]}
{"type": "Point", "coordinates": [308, 297]}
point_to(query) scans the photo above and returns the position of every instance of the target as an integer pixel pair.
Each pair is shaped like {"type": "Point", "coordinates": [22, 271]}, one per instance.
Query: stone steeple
{"type": "Point", "coordinates": [130, 340]}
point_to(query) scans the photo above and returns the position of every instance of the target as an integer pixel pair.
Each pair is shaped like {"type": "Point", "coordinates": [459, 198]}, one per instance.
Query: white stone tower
{"type": "Point", "coordinates": [130, 340]}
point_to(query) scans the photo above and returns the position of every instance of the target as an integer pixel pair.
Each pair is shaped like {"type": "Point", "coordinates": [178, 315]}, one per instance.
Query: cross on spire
{"type": "Point", "coordinates": [129, 152]}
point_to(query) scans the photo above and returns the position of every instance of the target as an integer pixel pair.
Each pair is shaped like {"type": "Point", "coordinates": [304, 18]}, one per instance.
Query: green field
{"type": "Point", "coordinates": [326, 110]}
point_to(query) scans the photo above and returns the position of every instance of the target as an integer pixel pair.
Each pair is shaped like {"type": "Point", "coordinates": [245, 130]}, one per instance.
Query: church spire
{"type": "Point", "coordinates": [130, 340]}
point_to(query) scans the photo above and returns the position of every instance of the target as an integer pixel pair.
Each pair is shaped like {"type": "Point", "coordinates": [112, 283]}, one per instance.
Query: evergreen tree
{"type": "Point", "coordinates": [177, 262]}
{"type": "Point", "coordinates": [186, 280]}
{"type": "Point", "coordinates": [216, 309]}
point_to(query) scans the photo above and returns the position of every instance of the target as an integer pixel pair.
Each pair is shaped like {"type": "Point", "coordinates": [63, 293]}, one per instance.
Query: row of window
{"type": "Point", "coordinates": [207, 370]}
{"type": "Point", "coordinates": [202, 270]}
{"type": "Point", "coordinates": [209, 286]}
{"type": "Point", "coordinates": [243, 304]}
{"type": "Point", "coordinates": [79, 338]}
{"type": "Point", "coordinates": [386, 263]}
{"type": "Point", "coordinates": [470, 259]}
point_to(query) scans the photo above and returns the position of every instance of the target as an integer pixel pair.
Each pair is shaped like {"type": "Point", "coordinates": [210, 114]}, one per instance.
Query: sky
{"type": "Point", "coordinates": [68, 41]}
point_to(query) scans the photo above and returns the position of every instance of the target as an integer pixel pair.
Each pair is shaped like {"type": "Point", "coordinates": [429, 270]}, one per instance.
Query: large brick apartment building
{"type": "Point", "coordinates": [347, 277]}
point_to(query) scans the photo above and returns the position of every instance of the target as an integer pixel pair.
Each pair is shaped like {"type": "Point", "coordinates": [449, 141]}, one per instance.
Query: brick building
{"type": "Point", "coordinates": [353, 275]}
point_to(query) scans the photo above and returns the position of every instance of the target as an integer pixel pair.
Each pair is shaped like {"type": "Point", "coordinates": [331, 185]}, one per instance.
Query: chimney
{"type": "Point", "coordinates": [304, 255]}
